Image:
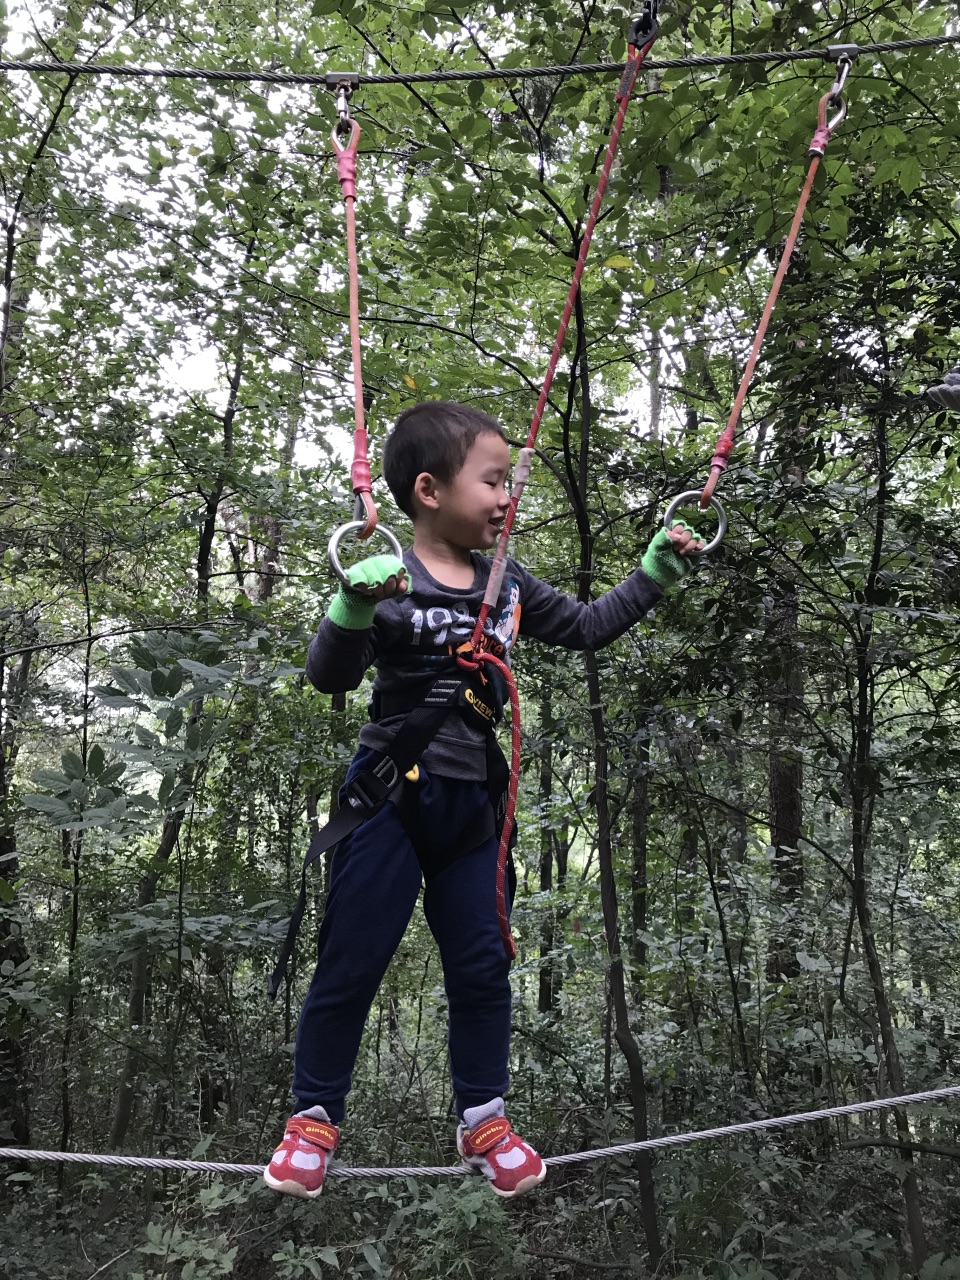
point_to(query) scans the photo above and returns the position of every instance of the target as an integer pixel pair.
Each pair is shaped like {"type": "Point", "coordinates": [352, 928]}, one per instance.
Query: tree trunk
{"type": "Point", "coordinates": [551, 974]}
{"type": "Point", "coordinates": [14, 1092]}
{"type": "Point", "coordinates": [579, 482]}
{"type": "Point", "coordinates": [863, 789]}
{"type": "Point", "coordinates": [188, 776]}
{"type": "Point", "coordinates": [618, 994]}
{"type": "Point", "coordinates": [639, 831]}
{"type": "Point", "coordinates": [785, 786]}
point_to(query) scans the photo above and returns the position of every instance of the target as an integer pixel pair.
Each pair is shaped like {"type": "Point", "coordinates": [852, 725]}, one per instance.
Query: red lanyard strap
{"type": "Point", "coordinates": [832, 99]}
{"type": "Point", "coordinates": [347, 174]}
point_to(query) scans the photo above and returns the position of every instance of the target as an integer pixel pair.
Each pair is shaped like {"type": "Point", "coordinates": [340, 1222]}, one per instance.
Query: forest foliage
{"type": "Point", "coordinates": [765, 772]}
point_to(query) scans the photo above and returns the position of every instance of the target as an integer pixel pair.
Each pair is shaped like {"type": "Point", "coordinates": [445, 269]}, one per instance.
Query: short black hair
{"type": "Point", "coordinates": [433, 436]}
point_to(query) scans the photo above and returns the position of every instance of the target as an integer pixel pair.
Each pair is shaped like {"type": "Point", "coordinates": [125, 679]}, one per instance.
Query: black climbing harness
{"type": "Point", "coordinates": [393, 779]}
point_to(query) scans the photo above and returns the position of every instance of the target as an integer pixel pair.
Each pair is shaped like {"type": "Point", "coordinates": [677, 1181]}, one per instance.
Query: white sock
{"type": "Point", "coordinates": [472, 1116]}
{"type": "Point", "coordinates": [315, 1113]}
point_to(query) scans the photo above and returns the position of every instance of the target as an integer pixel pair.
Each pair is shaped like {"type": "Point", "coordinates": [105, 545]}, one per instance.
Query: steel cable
{"type": "Point", "coordinates": [691, 61]}
{"type": "Point", "coordinates": [450, 1171]}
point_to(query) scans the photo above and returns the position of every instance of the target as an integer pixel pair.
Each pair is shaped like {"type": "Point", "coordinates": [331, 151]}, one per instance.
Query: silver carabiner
{"type": "Point", "coordinates": [835, 93]}
{"type": "Point", "coordinates": [344, 122]}
{"type": "Point", "coordinates": [694, 494]}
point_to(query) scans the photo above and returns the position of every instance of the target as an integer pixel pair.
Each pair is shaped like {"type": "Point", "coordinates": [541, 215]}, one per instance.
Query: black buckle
{"type": "Point", "coordinates": [644, 27]}
{"type": "Point", "coordinates": [368, 791]}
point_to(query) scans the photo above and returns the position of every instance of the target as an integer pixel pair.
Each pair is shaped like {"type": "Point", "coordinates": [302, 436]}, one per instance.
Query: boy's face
{"type": "Point", "coordinates": [472, 507]}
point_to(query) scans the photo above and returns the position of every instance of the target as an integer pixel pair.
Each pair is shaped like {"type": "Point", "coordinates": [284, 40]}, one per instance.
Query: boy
{"type": "Point", "coordinates": [446, 465]}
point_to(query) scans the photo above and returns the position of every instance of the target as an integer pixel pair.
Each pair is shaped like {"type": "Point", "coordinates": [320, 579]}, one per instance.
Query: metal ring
{"type": "Point", "coordinates": [678, 502]}
{"type": "Point", "coordinates": [352, 526]}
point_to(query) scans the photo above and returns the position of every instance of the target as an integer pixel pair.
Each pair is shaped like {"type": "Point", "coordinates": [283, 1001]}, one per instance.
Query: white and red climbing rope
{"type": "Point", "coordinates": [643, 33]}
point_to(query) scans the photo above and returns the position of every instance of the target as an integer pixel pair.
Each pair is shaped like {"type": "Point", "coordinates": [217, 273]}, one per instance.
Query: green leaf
{"type": "Point", "coordinates": [113, 773]}
{"type": "Point", "coordinates": [372, 1257]}
{"type": "Point", "coordinates": [52, 779]}
{"type": "Point", "coordinates": [96, 760]}
{"type": "Point", "coordinates": [73, 766]}
{"type": "Point", "coordinates": [114, 699]}
{"type": "Point", "coordinates": [215, 675]}
{"type": "Point", "coordinates": [52, 806]}
{"type": "Point", "coordinates": [909, 174]}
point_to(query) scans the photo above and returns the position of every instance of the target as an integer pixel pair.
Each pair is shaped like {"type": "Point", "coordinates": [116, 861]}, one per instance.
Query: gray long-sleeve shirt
{"type": "Point", "coordinates": [414, 638]}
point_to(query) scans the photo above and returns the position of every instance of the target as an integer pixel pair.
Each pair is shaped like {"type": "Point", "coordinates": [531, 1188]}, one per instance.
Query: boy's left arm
{"type": "Point", "coordinates": [555, 618]}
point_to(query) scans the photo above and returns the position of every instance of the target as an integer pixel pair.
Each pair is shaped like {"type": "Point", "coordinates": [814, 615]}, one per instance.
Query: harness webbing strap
{"type": "Point", "coordinates": [366, 795]}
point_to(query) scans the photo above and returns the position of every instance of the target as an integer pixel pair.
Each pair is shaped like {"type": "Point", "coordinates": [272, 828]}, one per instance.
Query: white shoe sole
{"type": "Point", "coordinates": [290, 1188]}
{"type": "Point", "coordinates": [520, 1189]}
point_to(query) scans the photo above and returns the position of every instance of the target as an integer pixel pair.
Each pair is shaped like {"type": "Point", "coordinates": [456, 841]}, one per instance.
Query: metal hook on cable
{"type": "Point", "coordinates": [835, 95]}
{"type": "Point", "coordinates": [343, 84]}
{"type": "Point", "coordinates": [833, 98]}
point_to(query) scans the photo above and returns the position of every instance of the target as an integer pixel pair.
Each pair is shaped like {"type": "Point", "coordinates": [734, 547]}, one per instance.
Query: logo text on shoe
{"type": "Point", "coordinates": [487, 1134]}
{"type": "Point", "coordinates": [315, 1131]}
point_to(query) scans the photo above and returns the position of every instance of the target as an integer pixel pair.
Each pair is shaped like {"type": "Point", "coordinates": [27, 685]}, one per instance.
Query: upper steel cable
{"type": "Point", "coordinates": [691, 61]}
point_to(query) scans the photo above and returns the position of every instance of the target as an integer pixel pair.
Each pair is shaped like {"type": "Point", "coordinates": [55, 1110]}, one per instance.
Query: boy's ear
{"type": "Point", "coordinates": [425, 491]}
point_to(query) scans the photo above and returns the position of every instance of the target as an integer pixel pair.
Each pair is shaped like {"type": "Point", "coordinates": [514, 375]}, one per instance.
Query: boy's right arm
{"type": "Point", "coordinates": [348, 639]}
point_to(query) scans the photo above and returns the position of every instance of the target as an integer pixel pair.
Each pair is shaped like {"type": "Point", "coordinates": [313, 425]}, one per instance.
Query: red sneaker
{"type": "Point", "coordinates": [493, 1149]}
{"type": "Point", "coordinates": [299, 1164]}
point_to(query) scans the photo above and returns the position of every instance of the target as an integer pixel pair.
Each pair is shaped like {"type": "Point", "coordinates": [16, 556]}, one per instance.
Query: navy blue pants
{"type": "Point", "coordinates": [374, 884]}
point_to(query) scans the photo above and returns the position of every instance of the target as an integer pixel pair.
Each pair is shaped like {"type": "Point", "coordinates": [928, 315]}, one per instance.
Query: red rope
{"type": "Point", "coordinates": [724, 446]}
{"type": "Point", "coordinates": [474, 663]}
{"type": "Point", "coordinates": [360, 470]}
{"type": "Point", "coordinates": [635, 57]}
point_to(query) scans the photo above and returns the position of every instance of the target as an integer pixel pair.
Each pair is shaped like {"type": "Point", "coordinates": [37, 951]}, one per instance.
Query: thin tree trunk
{"type": "Point", "coordinates": [551, 975]}
{"type": "Point", "coordinates": [579, 481]}
{"type": "Point", "coordinates": [862, 800]}
{"type": "Point", "coordinates": [188, 775]}
{"type": "Point", "coordinates": [639, 832]}
{"type": "Point", "coordinates": [785, 787]}
{"type": "Point", "coordinates": [73, 850]}
{"type": "Point", "coordinates": [14, 685]}
{"type": "Point", "coordinates": [618, 993]}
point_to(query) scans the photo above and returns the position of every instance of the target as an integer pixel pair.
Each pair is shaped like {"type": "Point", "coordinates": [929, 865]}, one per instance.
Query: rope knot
{"type": "Point", "coordinates": [469, 658]}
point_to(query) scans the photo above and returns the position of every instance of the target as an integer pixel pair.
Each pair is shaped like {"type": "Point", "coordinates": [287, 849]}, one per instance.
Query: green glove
{"type": "Point", "coordinates": [662, 563]}
{"type": "Point", "coordinates": [350, 609]}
